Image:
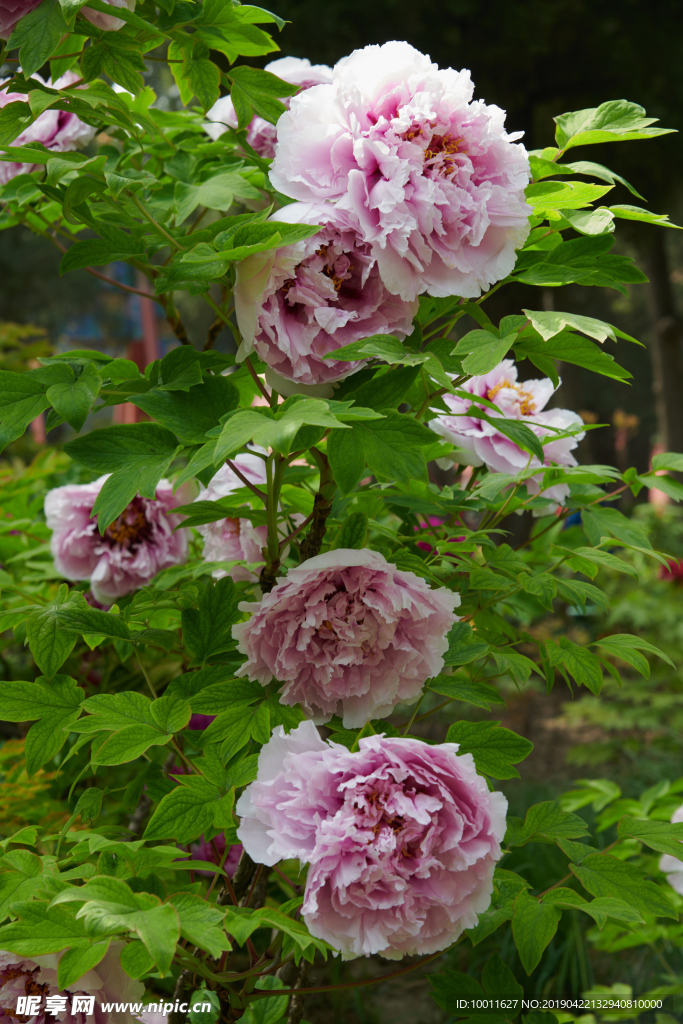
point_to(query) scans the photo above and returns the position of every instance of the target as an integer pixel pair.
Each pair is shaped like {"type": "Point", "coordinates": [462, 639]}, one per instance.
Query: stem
{"type": "Point", "coordinates": [252, 487]}
{"type": "Point", "coordinates": [264, 993]}
{"type": "Point", "coordinates": [257, 380]}
{"type": "Point", "coordinates": [144, 672]}
{"type": "Point", "coordinates": [322, 506]}
{"type": "Point", "coordinates": [220, 865]}
{"type": "Point", "coordinates": [157, 227]}
{"type": "Point", "coordinates": [412, 717]}
{"type": "Point", "coordinates": [293, 534]}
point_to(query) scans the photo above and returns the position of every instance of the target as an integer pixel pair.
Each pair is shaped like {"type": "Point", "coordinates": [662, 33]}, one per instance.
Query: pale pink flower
{"type": "Point", "coordinates": [297, 304]}
{"type": "Point", "coordinates": [432, 177]}
{"type": "Point", "coordinates": [670, 865]}
{"type": "Point", "coordinates": [58, 130]}
{"type": "Point", "coordinates": [134, 548]}
{"type": "Point", "coordinates": [348, 633]}
{"type": "Point", "coordinates": [107, 21]}
{"type": "Point", "coordinates": [234, 539]}
{"type": "Point", "coordinates": [480, 444]}
{"type": "Point", "coordinates": [261, 134]}
{"type": "Point", "coordinates": [37, 975]}
{"type": "Point", "coordinates": [12, 11]}
{"type": "Point", "coordinates": [401, 837]}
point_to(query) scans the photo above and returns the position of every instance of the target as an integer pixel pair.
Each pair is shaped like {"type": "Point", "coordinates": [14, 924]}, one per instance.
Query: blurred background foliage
{"type": "Point", "coordinates": [535, 59]}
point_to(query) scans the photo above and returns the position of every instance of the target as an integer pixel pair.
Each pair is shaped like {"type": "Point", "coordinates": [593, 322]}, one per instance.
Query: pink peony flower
{"type": "Point", "coordinates": [107, 982]}
{"type": "Point", "coordinates": [234, 539]}
{"type": "Point", "coordinates": [297, 304]}
{"type": "Point", "coordinates": [134, 548]}
{"type": "Point", "coordinates": [670, 865]}
{"type": "Point", "coordinates": [107, 21]}
{"type": "Point", "coordinates": [479, 442]}
{"type": "Point", "coordinates": [432, 177]}
{"type": "Point", "coordinates": [12, 11]}
{"type": "Point", "coordinates": [58, 130]}
{"type": "Point", "coordinates": [261, 134]}
{"type": "Point", "coordinates": [348, 633]}
{"type": "Point", "coordinates": [401, 838]}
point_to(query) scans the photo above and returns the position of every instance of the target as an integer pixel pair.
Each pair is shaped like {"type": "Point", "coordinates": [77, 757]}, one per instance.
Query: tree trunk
{"type": "Point", "coordinates": [666, 345]}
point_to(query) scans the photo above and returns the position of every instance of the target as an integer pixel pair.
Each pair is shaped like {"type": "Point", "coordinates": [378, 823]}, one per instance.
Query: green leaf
{"type": "Point", "coordinates": [533, 926]}
{"type": "Point", "coordinates": [628, 648]}
{"type": "Point", "coordinates": [200, 923]}
{"type": "Point", "coordinates": [37, 35]}
{"type": "Point", "coordinates": [267, 1011]}
{"type": "Point", "coordinates": [500, 982]}
{"type": "Point", "coordinates": [257, 91]}
{"type": "Point", "coordinates": [463, 646]}
{"type": "Point", "coordinates": [547, 822]}
{"type": "Point", "coordinates": [186, 812]}
{"type": "Point", "coordinates": [354, 531]}
{"type": "Point", "coordinates": [347, 458]}
{"type": "Point", "coordinates": [450, 986]}
{"type": "Point", "coordinates": [391, 446]}
{"type": "Point", "coordinates": [201, 74]}
{"type": "Point", "coordinates": [55, 704]}
{"type": "Point", "coordinates": [485, 351]}
{"type": "Point", "coordinates": [599, 522]}
{"type": "Point", "coordinates": [563, 195]}
{"type": "Point", "coordinates": [217, 193]}
{"type": "Point", "coordinates": [571, 348]}
{"type": "Point", "coordinates": [117, 56]}
{"type": "Point", "coordinates": [49, 643]}
{"type": "Point", "coordinates": [614, 121]}
{"type": "Point", "coordinates": [582, 558]}
{"type": "Point", "coordinates": [207, 630]}
{"type": "Point", "coordinates": [604, 875]}
{"type": "Point", "coordinates": [14, 117]}
{"type": "Point", "coordinates": [189, 414]}
{"type": "Point", "coordinates": [462, 688]}
{"type": "Point", "coordinates": [668, 460]}
{"type": "Point", "coordinates": [234, 727]}
{"type": "Point", "coordinates": [581, 663]}
{"type": "Point", "coordinates": [135, 960]}
{"type": "Point", "coordinates": [495, 750]}
{"type": "Point", "coordinates": [594, 170]}
{"type": "Point", "coordinates": [171, 713]}
{"type": "Point", "coordinates": [137, 455]}
{"type": "Point", "coordinates": [219, 697]}
{"type": "Point", "coordinates": [97, 252]}
{"type": "Point", "coordinates": [41, 929]}
{"type": "Point", "coordinates": [661, 220]}
{"type": "Point", "coordinates": [658, 835]}
{"type": "Point", "coordinates": [73, 400]}
{"type": "Point", "coordinates": [517, 665]}
{"type": "Point", "coordinates": [22, 398]}
{"type": "Point", "coordinates": [16, 886]}
{"type": "Point", "coordinates": [549, 324]}
{"type": "Point", "coordinates": [77, 961]}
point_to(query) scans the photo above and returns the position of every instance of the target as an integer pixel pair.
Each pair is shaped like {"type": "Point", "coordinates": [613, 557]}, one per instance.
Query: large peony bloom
{"type": "Point", "coordinates": [134, 548]}
{"type": "Point", "coordinates": [480, 443]}
{"type": "Point", "coordinates": [348, 633]}
{"type": "Point", "coordinates": [229, 539]}
{"type": "Point", "coordinates": [401, 838]}
{"type": "Point", "coordinates": [12, 11]}
{"type": "Point", "coordinates": [670, 865]}
{"type": "Point", "coordinates": [58, 130]}
{"type": "Point", "coordinates": [297, 304]}
{"type": "Point", "coordinates": [433, 178]}
{"type": "Point", "coordinates": [261, 134]}
{"type": "Point", "coordinates": [37, 976]}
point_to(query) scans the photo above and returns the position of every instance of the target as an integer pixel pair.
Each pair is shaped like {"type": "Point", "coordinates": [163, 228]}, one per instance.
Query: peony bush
{"type": "Point", "coordinates": [259, 627]}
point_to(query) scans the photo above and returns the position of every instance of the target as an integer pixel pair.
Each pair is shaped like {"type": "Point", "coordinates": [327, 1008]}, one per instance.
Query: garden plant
{"type": "Point", "coordinates": [260, 632]}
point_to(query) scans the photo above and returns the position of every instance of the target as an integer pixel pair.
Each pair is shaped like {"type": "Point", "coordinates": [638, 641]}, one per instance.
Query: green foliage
{"type": "Point", "coordinates": [110, 695]}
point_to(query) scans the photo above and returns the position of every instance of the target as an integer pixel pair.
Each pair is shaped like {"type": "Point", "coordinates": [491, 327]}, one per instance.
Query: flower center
{"type": "Point", "coordinates": [527, 405]}
{"type": "Point", "coordinates": [130, 528]}
{"type": "Point", "coordinates": [440, 149]}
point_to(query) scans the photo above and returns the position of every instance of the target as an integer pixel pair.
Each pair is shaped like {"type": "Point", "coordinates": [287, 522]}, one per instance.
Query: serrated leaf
{"type": "Point", "coordinates": [495, 750]}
